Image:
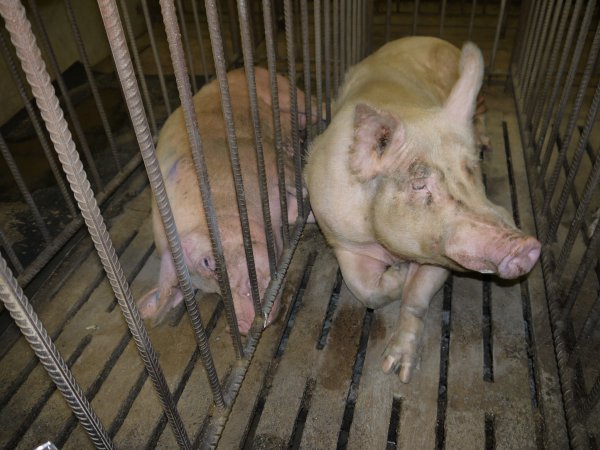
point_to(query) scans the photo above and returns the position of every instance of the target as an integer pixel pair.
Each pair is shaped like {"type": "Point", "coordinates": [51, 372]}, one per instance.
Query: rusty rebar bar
{"type": "Point", "coordinates": [35, 122]}
{"type": "Point", "coordinates": [36, 335]}
{"type": "Point", "coordinates": [22, 186]}
{"type": "Point", "coordinates": [85, 148]}
{"type": "Point", "coordinates": [92, 82]}
{"type": "Point", "coordinates": [221, 71]}
{"type": "Point", "coordinates": [138, 67]}
{"type": "Point", "coordinates": [279, 145]}
{"type": "Point", "coordinates": [247, 52]}
{"type": "Point", "coordinates": [191, 122]}
{"type": "Point", "coordinates": [39, 80]}
{"type": "Point", "coordinates": [291, 59]}
{"type": "Point", "coordinates": [159, 70]}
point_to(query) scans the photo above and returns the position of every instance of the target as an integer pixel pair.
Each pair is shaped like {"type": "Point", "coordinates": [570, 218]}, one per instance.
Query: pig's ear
{"type": "Point", "coordinates": [377, 136]}
{"type": "Point", "coordinates": [462, 100]}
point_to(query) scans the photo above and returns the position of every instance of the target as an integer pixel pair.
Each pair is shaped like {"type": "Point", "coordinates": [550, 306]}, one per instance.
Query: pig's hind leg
{"type": "Point", "coordinates": [373, 282]}
{"type": "Point", "coordinates": [402, 352]}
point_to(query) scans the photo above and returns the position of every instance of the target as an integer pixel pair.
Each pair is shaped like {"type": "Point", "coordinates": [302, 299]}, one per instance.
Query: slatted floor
{"type": "Point", "coordinates": [487, 376]}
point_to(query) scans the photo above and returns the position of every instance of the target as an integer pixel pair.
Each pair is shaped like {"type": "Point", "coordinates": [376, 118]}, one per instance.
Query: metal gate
{"type": "Point", "coordinates": [551, 60]}
{"type": "Point", "coordinates": [557, 94]}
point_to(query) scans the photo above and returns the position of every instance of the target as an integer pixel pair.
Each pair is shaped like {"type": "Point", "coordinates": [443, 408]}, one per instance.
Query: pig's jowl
{"type": "Point", "coordinates": [395, 185]}
{"type": "Point", "coordinates": [177, 167]}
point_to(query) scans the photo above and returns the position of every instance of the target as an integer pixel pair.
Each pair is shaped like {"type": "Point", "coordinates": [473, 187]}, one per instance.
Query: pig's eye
{"type": "Point", "coordinates": [419, 184]}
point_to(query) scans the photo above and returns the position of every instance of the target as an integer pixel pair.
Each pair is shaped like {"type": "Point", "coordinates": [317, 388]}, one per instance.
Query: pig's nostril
{"type": "Point", "coordinates": [521, 263]}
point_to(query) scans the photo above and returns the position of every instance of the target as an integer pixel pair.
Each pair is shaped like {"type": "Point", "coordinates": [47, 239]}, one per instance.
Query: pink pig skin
{"type": "Point", "coordinates": [178, 171]}
{"type": "Point", "coordinates": [395, 185]}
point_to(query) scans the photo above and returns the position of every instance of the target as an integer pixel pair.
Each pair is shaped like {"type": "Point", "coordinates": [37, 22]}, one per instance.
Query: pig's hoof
{"type": "Point", "coordinates": [401, 357]}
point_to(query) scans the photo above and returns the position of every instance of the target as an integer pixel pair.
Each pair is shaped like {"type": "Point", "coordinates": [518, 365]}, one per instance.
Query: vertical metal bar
{"type": "Point", "coordinates": [200, 40]}
{"type": "Point", "coordinates": [532, 28]}
{"type": "Point", "coordinates": [368, 27]}
{"type": "Point", "coordinates": [442, 17]}
{"type": "Point", "coordinates": [161, 76]}
{"type": "Point", "coordinates": [574, 167]}
{"type": "Point", "coordinates": [36, 335]}
{"type": "Point", "coordinates": [291, 58]}
{"type": "Point", "coordinates": [328, 60]}
{"type": "Point", "coordinates": [497, 37]}
{"type": "Point", "coordinates": [587, 261]}
{"type": "Point", "coordinates": [115, 32]}
{"type": "Point", "coordinates": [20, 182]}
{"type": "Point", "coordinates": [355, 32]}
{"type": "Point", "coordinates": [306, 67]}
{"type": "Point", "coordinates": [472, 19]}
{"type": "Point", "coordinates": [583, 344]}
{"type": "Point", "coordinates": [539, 45]}
{"type": "Point", "coordinates": [37, 126]}
{"type": "Point", "coordinates": [187, 45]}
{"type": "Point", "coordinates": [74, 225]}
{"type": "Point", "coordinates": [415, 17]}
{"type": "Point", "coordinates": [233, 28]}
{"type": "Point", "coordinates": [191, 122]}
{"type": "Point", "coordinates": [85, 148]}
{"type": "Point", "coordinates": [343, 32]}
{"type": "Point", "coordinates": [247, 49]}
{"type": "Point", "coordinates": [138, 66]}
{"type": "Point", "coordinates": [545, 58]}
{"type": "Point", "coordinates": [39, 80]}
{"type": "Point", "coordinates": [221, 70]}
{"type": "Point", "coordinates": [367, 17]}
{"type": "Point", "coordinates": [582, 208]}
{"type": "Point", "coordinates": [318, 67]}
{"type": "Point", "coordinates": [524, 34]}
{"type": "Point", "coordinates": [279, 148]}
{"type": "Point", "coordinates": [12, 256]}
{"type": "Point", "coordinates": [388, 20]}
{"type": "Point", "coordinates": [550, 71]}
{"type": "Point", "coordinates": [352, 31]}
{"type": "Point", "coordinates": [349, 32]}
{"type": "Point", "coordinates": [573, 117]}
{"type": "Point", "coordinates": [336, 46]}
{"type": "Point", "coordinates": [92, 82]}
{"type": "Point", "coordinates": [558, 86]}
{"type": "Point", "coordinates": [591, 400]}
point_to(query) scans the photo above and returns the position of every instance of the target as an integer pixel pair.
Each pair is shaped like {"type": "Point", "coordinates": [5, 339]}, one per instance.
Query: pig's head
{"type": "Point", "coordinates": [429, 203]}
{"type": "Point", "coordinates": [158, 302]}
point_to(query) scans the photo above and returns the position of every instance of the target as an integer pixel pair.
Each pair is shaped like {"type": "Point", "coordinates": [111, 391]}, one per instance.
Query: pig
{"type": "Point", "coordinates": [177, 168]}
{"type": "Point", "coordinates": [395, 185]}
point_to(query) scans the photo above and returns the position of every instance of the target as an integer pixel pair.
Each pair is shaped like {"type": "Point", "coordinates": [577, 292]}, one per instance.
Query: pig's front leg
{"type": "Point", "coordinates": [402, 351]}
{"type": "Point", "coordinates": [372, 281]}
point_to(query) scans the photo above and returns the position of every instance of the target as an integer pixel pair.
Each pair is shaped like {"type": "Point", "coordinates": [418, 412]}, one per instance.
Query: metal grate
{"type": "Point", "coordinates": [312, 379]}
{"type": "Point", "coordinates": [557, 93]}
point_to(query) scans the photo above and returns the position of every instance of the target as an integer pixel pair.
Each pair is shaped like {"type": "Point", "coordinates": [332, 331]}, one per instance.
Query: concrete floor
{"type": "Point", "coordinates": [301, 394]}
{"type": "Point", "coordinates": [487, 377]}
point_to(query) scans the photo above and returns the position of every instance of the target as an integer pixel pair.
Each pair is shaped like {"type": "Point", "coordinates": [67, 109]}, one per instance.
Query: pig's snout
{"type": "Point", "coordinates": [520, 261]}
{"type": "Point", "coordinates": [509, 255]}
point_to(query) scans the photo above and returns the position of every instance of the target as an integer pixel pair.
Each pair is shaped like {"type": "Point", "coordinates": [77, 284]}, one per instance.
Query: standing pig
{"type": "Point", "coordinates": [177, 167]}
{"type": "Point", "coordinates": [396, 187]}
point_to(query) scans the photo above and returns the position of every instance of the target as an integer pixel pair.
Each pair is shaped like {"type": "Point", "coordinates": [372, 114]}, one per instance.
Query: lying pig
{"type": "Point", "coordinates": [177, 167]}
{"type": "Point", "coordinates": [396, 187]}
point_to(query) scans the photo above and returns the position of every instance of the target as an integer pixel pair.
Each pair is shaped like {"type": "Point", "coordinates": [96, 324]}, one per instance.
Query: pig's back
{"type": "Point", "coordinates": [178, 170]}
{"type": "Point", "coordinates": [419, 70]}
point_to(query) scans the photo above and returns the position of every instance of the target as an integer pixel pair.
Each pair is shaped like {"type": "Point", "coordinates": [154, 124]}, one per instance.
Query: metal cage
{"type": "Point", "coordinates": [544, 53]}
